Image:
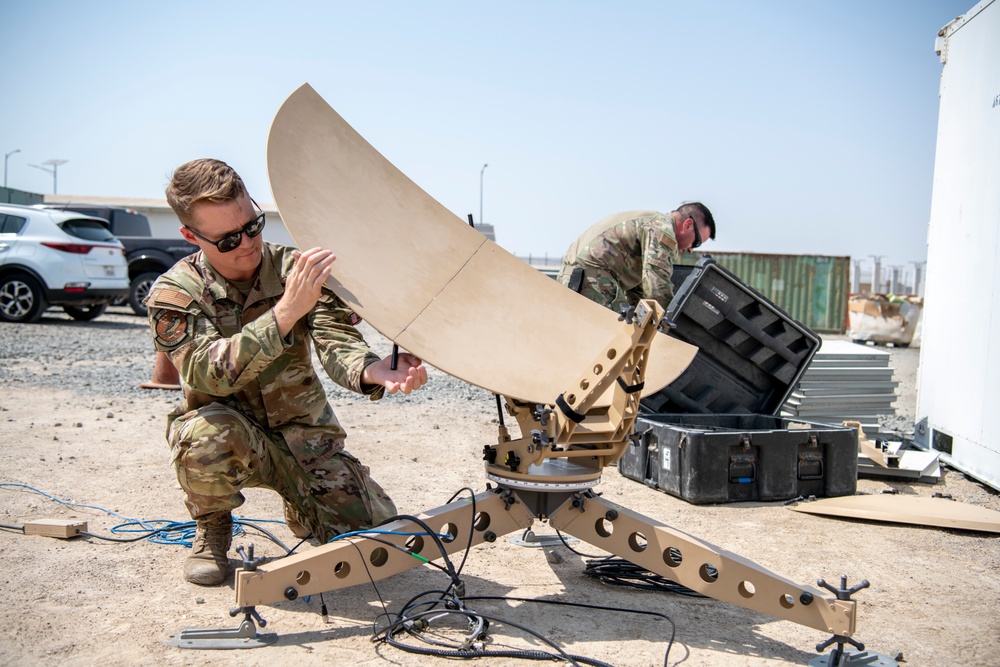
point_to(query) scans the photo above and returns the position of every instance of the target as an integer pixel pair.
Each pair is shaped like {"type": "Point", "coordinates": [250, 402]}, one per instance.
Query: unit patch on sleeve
{"type": "Point", "coordinates": [172, 327]}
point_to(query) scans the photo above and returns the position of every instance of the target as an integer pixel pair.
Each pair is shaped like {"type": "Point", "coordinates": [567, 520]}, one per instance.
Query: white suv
{"type": "Point", "coordinates": [57, 258]}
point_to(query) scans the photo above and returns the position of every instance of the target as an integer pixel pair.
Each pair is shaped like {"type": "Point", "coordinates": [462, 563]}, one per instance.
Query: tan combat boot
{"type": "Point", "coordinates": [294, 524]}
{"type": "Point", "coordinates": [208, 563]}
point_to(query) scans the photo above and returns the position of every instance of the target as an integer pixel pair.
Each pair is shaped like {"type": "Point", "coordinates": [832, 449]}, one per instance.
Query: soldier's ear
{"type": "Point", "coordinates": [188, 236]}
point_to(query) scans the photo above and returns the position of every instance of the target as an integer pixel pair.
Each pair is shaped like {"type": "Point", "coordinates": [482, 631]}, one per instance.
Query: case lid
{"type": "Point", "coordinates": [751, 353]}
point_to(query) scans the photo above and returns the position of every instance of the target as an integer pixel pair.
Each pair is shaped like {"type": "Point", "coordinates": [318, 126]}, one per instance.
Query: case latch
{"type": "Point", "coordinates": [810, 465]}
{"type": "Point", "coordinates": [742, 468]}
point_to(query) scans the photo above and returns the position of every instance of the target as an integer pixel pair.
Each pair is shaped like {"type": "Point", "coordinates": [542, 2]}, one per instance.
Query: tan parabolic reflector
{"type": "Point", "coordinates": [424, 278]}
{"type": "Point", "coordinates": [939, 512]}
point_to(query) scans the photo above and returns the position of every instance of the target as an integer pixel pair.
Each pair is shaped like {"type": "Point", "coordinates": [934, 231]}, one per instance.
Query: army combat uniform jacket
{"type": "Point", "coordinates": [236, 368]}
{"type": "Point", "coordinates": [625, 257]}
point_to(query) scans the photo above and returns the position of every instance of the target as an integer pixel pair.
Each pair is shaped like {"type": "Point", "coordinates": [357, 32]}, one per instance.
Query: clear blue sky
{"type": "Point", "coordinates": [806, 126]}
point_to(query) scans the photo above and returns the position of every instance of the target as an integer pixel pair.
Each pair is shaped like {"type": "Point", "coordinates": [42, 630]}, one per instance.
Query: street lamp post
{"type": "Point", "coordinates": [52, 166]}
{"type": "Point", "coordinates": [5, 156]}
{"type": "Point", "coordinates": [876, 286]}
{"type": "Point", "coordinates": [918, 283]}
{"type": "Point", "coordinates": [481, 193]}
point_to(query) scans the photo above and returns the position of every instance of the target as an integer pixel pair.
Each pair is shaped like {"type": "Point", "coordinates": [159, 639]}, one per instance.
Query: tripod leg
{"type": "Point", "coordinates": [699, 565]}
{"type": "Point", "coordinates": [356, 560]}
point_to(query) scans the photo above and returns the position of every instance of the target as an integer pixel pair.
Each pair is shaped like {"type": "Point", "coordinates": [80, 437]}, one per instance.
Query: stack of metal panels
{"type": "Point", "coordinates": [845, 382]}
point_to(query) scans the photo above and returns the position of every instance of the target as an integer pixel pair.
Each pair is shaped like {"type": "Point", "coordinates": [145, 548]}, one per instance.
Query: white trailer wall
{"type": "Point", "coordinates": [958, 397]}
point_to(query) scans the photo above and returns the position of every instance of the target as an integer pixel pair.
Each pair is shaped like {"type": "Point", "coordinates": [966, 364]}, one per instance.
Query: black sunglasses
{"type": "Point", "coordinates": [697, 235]}
{"type": "Point", "coordinates": [231, 242]}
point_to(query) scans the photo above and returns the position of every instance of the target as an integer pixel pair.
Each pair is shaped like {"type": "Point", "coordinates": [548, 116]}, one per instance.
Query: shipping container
{"type": "Point", "coordinates": [959, 384]}
{"type": "Point", "coordinates": [813, 289]}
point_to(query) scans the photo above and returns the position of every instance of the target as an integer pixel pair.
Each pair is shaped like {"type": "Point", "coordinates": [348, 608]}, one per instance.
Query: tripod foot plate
{"type": "Point", "coordinates": [245, 636]}
{"type": "Point", "coordinates": [855, 659]}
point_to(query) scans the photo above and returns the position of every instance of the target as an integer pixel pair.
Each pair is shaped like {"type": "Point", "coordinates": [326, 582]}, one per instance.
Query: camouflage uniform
{"type": "Point", "coordinates": [625, 257]}
{"type": "Point", "coordinates": [254, 411]}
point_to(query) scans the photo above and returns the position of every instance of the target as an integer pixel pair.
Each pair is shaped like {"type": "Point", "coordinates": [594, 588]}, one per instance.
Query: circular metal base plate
{"type": "Point", "coordinates": [551, 475]}
{"type": "Point", "coordinates": [530, 539]}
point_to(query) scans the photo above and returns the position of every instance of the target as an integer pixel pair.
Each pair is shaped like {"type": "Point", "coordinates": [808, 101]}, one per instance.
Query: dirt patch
{"type": "Point", "coordinates": [935, 595]}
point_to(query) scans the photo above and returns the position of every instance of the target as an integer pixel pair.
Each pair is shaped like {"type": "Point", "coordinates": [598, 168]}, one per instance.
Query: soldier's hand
{"type": "Point", "coordinates": [303, 287]}
{"type": "Point", "coordinates": [410, 374]}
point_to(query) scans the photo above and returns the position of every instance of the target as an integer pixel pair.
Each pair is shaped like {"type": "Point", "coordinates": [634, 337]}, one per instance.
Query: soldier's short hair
{"type": "Point", "coordinates": [204, 179]}
{"type": "Point", "coordinates": [700, 213]}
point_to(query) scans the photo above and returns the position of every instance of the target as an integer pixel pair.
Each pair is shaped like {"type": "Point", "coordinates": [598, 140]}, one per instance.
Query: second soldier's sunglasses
{"type": "Point", "coordinates": [697, 235]}
{"type": "Point", "coordinates": [231, 242]}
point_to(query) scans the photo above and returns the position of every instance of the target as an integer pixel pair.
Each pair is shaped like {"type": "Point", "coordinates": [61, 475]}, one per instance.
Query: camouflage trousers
{"type": "Point", "coordinates": [217, 451]}
{"type": "Point", "coordinates": [597, 285]}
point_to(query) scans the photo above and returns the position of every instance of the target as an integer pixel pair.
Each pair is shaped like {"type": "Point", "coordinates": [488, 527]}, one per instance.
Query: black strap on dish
{"type": "Point", "coordinates": [630, 389]}
{"type": "Point", "coordinates": [573, 415]}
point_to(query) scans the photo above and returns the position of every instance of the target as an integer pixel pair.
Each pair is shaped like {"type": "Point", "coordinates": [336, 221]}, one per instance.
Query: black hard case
{"type": "Point", "coordinates": [730, 458]}
{"type": "Point", "coordinates": [712, 436]}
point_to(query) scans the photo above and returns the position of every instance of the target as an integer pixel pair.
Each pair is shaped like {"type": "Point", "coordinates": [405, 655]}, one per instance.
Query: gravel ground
{"type": "Point", "coordinates": [110, 355]}
{"type": "Point", "coordinates": [114, 353]}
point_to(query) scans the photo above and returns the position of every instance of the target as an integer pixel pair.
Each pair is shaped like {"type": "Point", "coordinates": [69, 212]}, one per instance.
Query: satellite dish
{"type": "Point", "coordinates": [424, 278]}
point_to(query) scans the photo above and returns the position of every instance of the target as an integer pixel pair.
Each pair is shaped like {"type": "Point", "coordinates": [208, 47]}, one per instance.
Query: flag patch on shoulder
{"type": "Point", "coordinates": [169, 297]}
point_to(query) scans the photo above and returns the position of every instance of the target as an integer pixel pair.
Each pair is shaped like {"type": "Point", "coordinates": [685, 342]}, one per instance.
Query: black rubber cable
{"type": "Point", "coordinates": [397, 622]}
{"type": "Point", "coordinates": [437, 540]}
{"type": "Point", "coordinates": [578, 553]}
{"type": "Point", "coordinates": [584, 605]}
{"type": "Point", "coordinates": [472, 526]}
{"type": "Point", "coordinates": [459, 612]}
{"type": "Point", "coordinates": [620, 572]}
{"type": "Point", "coordinates": [138, 538]}
{"type": "Point", "coordinates": [146, 535]}
{"type": "Point", "coordinates": [468, 654]}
